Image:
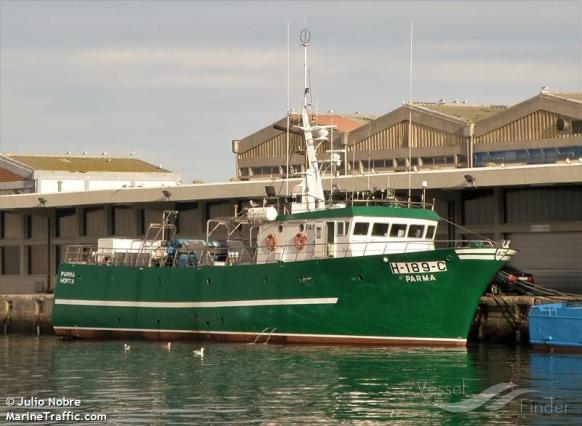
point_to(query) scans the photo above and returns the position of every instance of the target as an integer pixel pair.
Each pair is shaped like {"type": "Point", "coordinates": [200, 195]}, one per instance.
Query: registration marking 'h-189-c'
{"type": "Point", "coordinates": [418, 267]}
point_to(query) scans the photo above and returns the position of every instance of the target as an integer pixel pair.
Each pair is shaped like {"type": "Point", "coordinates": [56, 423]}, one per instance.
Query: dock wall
{"type": "Point", "coordinates": [26, 314]}
{"type": "Point", "coordinates": [504, 319]}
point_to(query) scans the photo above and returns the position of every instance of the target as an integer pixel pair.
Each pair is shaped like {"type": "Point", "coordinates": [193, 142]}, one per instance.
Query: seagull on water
{"type": "Point", "coordinates": [199, 352]}
{"type": "Point", "coordinates": [126, 347]}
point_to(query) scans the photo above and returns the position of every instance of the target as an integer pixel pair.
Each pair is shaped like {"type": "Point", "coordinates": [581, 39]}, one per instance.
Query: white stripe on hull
{"type": "Point", "coordinates": [503, 254]}
{"type": "Point", "coordinates": [246, 333]}
{"type": "Point", "coordinates": [476, 250]}
{"type": "Point", "coordinates": [483, 257]}
{"type": "Point", "coordinates": [217, 304]}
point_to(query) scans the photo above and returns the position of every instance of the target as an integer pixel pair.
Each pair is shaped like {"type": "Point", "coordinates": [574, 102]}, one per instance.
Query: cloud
{"type": "Point", "coordinates": [172, 80]}
{"type": "Point", "coordinates": [124, 68]}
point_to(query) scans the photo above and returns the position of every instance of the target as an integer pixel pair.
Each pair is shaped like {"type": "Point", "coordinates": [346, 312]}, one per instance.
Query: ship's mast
{"type": "Point", "coordinates": [312, 191]}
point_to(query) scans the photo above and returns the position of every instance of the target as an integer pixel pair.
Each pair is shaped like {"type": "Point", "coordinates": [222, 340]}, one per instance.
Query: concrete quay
{"type": "Point", "coordinates": [504, 318]}
{"type": "Point", "coordinates": [26, 314]}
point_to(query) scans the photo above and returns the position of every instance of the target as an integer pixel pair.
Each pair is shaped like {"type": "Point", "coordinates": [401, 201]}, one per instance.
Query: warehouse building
{"type": "Point", "coordinates": [543, 129]}
{"type": "Point", "coordinates": [511, 173]}
{"type": "Point", "coordinates": [42, 173]}
{"type": "Point", "coordinates": [264, 153]}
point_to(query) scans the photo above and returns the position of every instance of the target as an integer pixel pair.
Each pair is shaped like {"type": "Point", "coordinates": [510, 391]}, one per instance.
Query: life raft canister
{"type": "Point", "coordinates": [271, 242]}
{"type": "Point", "coordinates": [300, 240]}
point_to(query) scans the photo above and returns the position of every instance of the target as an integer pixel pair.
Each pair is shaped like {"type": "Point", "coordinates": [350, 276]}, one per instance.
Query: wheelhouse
{"type": "Point", "coordinates": [346, 232]}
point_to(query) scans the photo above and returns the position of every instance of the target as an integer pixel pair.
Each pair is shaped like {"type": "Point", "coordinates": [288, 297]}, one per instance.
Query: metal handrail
{"type": "Point", "coordinates": [90, 254]}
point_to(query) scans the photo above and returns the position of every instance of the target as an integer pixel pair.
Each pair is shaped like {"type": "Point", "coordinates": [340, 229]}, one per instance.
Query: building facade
{"type": "Point", "coordinates": [42, 173]}
{"type": "Point", "coordinates": [544, 129]}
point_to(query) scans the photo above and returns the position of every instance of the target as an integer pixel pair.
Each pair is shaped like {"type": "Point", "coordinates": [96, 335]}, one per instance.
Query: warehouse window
{"type": "Point", "coordinates": [267, 170]}
{"type": "Point", "coordinates": [381, 164]}
{"type": "Point", "coordinates": [427, 161]}
{"type": "Point", "coordinates": [445, 159]}
{"type": "Point", "coordinates": [569, 153]}
{"type": "Point", "coordinates": [400, 162]}
{"type": "Point", "coordinates": [528, 156]}
{"type": "Point", "coordinates": [11, 260]}
{"type": "Point", "coordinates": [37, 259]}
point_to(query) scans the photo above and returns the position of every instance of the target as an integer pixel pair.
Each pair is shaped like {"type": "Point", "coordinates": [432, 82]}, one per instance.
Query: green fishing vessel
{"type": "Point", "coordinates": [363, 270]}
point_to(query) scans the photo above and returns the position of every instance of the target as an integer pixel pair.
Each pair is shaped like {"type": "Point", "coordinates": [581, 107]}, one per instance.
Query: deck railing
{"type": "Point", "coordinates": [239, 254]}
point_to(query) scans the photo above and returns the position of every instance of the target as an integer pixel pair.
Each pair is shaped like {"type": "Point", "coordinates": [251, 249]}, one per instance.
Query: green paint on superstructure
{"type": "Point", "coordinates": [371, 211]}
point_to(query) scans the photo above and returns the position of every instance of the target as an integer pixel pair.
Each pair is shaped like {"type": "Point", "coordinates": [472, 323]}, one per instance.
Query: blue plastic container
{"type": "Point", "coordinates": [556, 325]}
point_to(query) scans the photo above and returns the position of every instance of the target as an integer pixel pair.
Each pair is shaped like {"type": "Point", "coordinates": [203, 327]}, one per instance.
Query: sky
{"type": "Point", "coordinates": [176, 82]}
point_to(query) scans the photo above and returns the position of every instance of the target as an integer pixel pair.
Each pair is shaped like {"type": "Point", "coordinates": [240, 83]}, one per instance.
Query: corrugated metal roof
{"type": "Point", "coordinates": [576, 96]}
{"type": "Point", "coordinates": [71, 163]}
{"type": "Point", "coordinates": [470, 113]}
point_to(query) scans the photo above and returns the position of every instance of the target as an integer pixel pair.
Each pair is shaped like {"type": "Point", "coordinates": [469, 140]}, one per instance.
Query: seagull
{"type": "Point", "coordinates": [126, 347]}
{"type": "Point", "coordinates": [199, 352]}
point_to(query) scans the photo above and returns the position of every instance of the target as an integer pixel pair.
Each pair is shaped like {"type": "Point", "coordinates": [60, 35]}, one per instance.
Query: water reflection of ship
{"type": "Point", "coordinates": [246, 382]}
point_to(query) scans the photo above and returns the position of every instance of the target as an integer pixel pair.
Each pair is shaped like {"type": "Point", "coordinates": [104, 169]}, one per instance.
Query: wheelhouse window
{"type": "Point", "coordinates": [398, 230]}
{"type": "Point", "coordinates": [430, 230]}
{"type": "Point", "coordinates": [342, 228]}
{"type": "Point", "coordinates": [380, 229]}
{"type": "Point", "coordinates": [415, 231]}
{"type": "Point", "coordinates": [361, 228]}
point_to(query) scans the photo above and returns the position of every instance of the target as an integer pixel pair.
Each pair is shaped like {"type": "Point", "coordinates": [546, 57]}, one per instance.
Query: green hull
{"type": "Point", "coordinates": [343, 300]}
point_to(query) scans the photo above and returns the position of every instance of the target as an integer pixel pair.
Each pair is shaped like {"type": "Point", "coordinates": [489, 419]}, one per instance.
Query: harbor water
{"type": "Point", "coordinates": [256, 383]}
